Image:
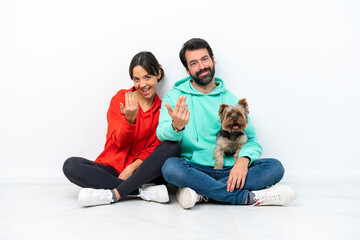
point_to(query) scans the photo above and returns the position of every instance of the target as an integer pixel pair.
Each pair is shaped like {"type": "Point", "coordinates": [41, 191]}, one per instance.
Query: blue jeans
{"type": "Point", "coordinates": [211, 182]}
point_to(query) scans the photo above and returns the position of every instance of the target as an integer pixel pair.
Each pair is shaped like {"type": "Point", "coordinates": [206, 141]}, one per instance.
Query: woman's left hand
{"type": "Point", "coordinates": [130, 169]}
{"type": "Point", "coordinates": [127, 172]}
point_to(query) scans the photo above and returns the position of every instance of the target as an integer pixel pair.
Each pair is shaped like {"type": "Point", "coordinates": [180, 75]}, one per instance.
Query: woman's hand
{"type": "Point", "coordinates": [180, 115]}
{"type": "Point", "coordinates": [127, 172]}
{"type": "Point", "coordinates": [131, 107]}
{"type": "Point", "coordinates": [238, 174]}
{"type": "Point", "coordinates": [130, 169]}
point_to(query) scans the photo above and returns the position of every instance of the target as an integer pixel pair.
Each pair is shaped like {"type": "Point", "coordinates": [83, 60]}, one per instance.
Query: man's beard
{"type": "Point", "coordinates": [204, 80]}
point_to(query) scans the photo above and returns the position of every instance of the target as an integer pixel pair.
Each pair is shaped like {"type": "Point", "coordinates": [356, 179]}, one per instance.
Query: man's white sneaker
{"type": "Point", "coordinates": [276, 195]}
{"type": "Point", "coordinates": [155, 193]}
{"type": "Point", "coordinates": [93, 197]}
{"type": "Point", "coordinates": [188, 197]}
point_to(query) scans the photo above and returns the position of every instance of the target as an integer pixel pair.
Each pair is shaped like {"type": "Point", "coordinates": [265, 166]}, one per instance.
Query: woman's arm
{"type": "Point", "coordinates": [120, 126]}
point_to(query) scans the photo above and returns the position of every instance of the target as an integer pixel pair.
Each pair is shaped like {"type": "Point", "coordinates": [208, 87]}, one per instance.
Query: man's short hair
{"type": "Point", "coordinates": [194, 44]}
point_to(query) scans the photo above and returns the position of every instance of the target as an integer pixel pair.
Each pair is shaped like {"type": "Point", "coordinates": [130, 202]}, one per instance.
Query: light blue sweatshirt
{"type": "Point", "coordinates": [198, 139]}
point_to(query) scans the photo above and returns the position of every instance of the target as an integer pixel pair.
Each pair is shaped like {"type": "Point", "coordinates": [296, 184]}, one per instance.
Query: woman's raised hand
{"type": "Point", "coordinates": [180, 115]}
{"type": "Point", "coordinates": [131, 107]}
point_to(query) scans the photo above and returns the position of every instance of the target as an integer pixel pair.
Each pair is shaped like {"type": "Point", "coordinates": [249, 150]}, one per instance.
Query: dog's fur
{"type": "Point", "coordinates": [231, 137]}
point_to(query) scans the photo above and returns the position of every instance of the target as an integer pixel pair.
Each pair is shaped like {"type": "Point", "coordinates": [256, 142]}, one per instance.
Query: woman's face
{"type": "Point", "coordinates": [144, 83]}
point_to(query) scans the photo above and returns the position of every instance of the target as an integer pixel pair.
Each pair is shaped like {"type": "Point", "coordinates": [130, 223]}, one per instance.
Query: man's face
{"type": "Point", "coordinates": [200, 66]}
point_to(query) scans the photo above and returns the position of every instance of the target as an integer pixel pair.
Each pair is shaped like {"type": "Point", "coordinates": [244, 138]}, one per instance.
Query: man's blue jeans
{"type": "Point", "coordinates": [211, 182]}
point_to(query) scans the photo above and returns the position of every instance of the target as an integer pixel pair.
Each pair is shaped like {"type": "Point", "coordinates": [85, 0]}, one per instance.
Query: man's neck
{"type": "Point", "coordinates": [205, 89]}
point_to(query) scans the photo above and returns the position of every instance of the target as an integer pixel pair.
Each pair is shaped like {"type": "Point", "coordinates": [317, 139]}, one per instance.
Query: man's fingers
{"type": "Point", "coordinates": [177, 105]}
{"type": "Point", "coordinates": [187, 117]}
{"type": "Point", "coordinates": [231, 184]}
{"type": "Point", "coordinates": [182, 105]}
{"type": "Point", "coordinates": [243, 182]}
{"type": "Point", "coordinates": [170, 111]}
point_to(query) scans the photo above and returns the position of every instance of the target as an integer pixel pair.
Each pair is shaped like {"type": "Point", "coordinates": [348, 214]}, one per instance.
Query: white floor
{"type": "Point", "coordinates": [322, 210]}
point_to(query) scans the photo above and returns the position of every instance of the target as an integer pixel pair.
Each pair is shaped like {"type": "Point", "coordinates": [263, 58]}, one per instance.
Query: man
{"type": "Point", "coordinates": [189, 115]}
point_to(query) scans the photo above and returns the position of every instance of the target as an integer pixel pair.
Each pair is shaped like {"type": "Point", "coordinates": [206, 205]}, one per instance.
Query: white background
{"type": "Point", "coordinates": [296, 62]}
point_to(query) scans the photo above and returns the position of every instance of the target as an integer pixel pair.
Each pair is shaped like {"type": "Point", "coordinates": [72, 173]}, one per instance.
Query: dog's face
{"type": "Point", "coordinates": [234, 118]}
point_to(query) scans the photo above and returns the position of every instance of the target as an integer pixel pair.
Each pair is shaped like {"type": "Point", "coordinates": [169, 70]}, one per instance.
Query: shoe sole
{"type": "Point", "coordinates": [183, 195]}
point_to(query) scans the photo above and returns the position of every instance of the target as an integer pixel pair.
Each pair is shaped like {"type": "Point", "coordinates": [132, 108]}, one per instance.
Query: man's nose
{"type": "Point", "coordinates": [201, 66]}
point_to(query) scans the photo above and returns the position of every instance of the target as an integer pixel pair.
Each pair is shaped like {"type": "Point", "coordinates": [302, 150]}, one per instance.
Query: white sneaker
{"type": "Point", "coordinates": [93, 197]}
{"type": "Point", "coordinates": [276, 195]}
{"type": "Point", "coordinates": [188, 197]}
{"type": "Point", "coordinates": [155, 193]}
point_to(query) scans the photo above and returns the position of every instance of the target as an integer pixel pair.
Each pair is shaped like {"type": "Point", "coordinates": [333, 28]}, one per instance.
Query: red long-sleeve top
{"type": "Point", "coordinates": [127, 142]}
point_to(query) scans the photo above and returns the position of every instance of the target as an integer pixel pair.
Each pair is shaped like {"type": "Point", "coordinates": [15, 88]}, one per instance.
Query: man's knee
{"type": "Point", "coordinates": [171, 168]}
{"type": "Point", "coordinates": [277, 169]}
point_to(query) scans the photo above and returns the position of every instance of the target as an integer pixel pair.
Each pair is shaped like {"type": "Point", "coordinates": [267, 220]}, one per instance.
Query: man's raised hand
{"type": "Point", "coordinates": [180, 114]}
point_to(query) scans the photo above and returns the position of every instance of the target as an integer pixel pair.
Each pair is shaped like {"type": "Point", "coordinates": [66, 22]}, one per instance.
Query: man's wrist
{"type": "Point", "coordinates": [177, 129]}
{"type": "Point", "coordinates": [248, 158]}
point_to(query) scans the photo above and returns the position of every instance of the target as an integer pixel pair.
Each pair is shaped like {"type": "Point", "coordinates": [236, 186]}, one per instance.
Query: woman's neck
{"type": "Point", "coordinates": [145, 103]}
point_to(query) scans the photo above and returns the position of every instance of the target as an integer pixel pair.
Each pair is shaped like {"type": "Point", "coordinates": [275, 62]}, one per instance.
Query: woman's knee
{"type": "Point", "coordinates": [70, 166]}
{"type": "Point", "coordinates": [173, 148]}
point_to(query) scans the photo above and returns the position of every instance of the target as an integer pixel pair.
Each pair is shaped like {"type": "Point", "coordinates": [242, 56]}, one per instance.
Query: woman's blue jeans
{"type": "Point", "coordinates": [211, 182]}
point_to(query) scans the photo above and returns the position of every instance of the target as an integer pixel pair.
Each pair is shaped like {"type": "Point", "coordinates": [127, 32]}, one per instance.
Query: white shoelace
{"type": "Point", "coordinates": [146, 194]}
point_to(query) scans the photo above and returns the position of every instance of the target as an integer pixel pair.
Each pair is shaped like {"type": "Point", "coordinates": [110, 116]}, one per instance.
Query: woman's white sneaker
{"type": "Point", "coordinates": [155, 193]}
{"type": "Point", "coordinates": [188, 197]}
{"type": "Point", "coordinates": [276, 195]}
{"type": "Point", "coordinates": [93, 197]}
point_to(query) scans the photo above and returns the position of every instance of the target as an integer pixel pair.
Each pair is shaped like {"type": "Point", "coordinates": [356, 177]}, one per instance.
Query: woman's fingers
{"type": "Point", "coordinates": [122, 109]}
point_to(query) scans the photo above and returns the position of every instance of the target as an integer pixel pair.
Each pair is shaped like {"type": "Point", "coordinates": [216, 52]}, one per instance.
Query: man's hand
{"type": "Point", "coordinates": [238, 174]}
{"type": "Point", "coordinates": [180, 115]}
{"type": "Point", "coordinates": [131, 107]}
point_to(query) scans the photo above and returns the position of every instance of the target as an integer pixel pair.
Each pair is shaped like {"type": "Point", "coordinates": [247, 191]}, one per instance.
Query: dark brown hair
{"type": "Point", "coordinates": [194, 44]}
{"type": "Point", "coordinates": [148, 61]}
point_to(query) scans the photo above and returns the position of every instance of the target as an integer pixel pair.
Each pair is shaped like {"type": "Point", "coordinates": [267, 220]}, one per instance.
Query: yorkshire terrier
{"type": "Point", "coordinates": [231, 137]}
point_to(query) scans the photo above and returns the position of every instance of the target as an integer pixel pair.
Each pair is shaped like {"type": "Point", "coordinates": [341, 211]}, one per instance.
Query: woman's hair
{"type": "Point", "coordinates": [148, 61]}
{"type": "Point", "coordinates": [194, 44]}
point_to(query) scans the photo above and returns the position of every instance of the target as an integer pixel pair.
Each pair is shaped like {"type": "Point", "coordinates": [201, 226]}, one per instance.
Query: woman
{"type": "Point", "coordinates": [133, 155]}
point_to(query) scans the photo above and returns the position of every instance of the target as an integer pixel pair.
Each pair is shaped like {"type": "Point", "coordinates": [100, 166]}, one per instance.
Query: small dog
{"type": "Point", "coordinates": [231, 137]}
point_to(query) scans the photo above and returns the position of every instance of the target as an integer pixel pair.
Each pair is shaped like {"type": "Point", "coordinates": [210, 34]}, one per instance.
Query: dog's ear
{"type": "Point", "coordinates": [242, 102]}
{"type": "Point", "coordinates": [222, 108]}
